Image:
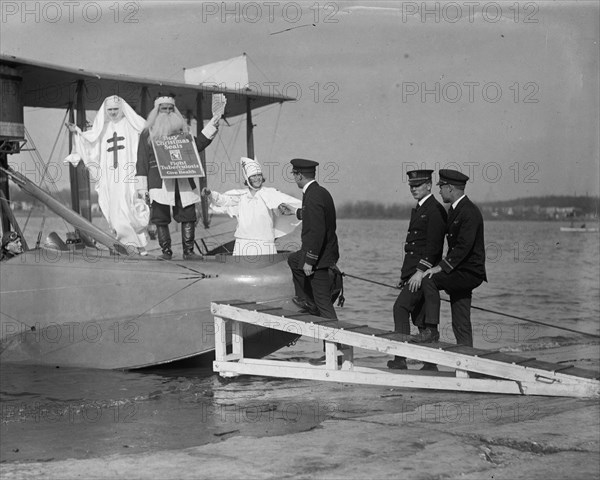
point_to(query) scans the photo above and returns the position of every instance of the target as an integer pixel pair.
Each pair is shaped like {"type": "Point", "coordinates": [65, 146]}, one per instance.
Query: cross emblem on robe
{"type": "Point", "coordinates": [115, 148]}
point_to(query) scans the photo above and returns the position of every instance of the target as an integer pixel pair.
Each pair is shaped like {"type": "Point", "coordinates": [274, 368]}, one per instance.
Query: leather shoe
{"type": "Point", "coordinates": [426, 336]}
{"type": "Point", "coordinates": [167, 254]}
{"type": "Point", "coordinates": [306, 305]}
{"type": "Point", "coordinates": [431, 367]}
{"type": "Point", "coordinates": [398, 363]}
{"type": "Point", "coordinates": [191, 256]}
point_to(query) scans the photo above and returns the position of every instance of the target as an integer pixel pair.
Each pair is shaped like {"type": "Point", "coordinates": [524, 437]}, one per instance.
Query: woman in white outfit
{"type": "Point", "coordinates": [256, 208]}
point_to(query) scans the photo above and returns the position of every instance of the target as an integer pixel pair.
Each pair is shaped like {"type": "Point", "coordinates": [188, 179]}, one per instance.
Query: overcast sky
{"type": "Point", "coordinates": [507, 95]}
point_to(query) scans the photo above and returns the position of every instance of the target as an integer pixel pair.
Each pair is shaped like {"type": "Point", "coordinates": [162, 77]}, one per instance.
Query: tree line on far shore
{"type": "Point", "coordinates": [530, 208]}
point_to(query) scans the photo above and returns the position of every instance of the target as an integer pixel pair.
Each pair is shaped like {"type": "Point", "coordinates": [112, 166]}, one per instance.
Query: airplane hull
{"type": "Point", "coordinates": [81, 308]}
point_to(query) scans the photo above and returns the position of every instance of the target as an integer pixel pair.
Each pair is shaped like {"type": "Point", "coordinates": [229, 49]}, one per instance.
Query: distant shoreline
{"type": "Point", "coordinates": [552, 208]}
{"type": "Point", "coordinates": [576, 223]}
{"type": "Point", "coordinates": [341, 216]}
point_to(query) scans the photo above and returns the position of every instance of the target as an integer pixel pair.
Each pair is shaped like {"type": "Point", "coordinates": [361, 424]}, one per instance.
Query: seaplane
{"type": "Point", "coordinates": [87, 301]}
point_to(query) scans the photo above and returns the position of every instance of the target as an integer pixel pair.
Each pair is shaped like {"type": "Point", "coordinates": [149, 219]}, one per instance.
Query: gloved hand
{"type": "Point", "coordinates": [205, 192]}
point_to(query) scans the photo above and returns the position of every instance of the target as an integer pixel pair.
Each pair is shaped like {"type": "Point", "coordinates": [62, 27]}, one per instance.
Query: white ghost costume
{"type": "Point", "coordinates": [259, 219]}
{"type": "Point", "coordinates": [109, 152]}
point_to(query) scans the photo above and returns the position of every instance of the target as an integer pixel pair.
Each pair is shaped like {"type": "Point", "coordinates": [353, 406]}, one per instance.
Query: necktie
{"type": "Point", "coordinates": [450, 211]}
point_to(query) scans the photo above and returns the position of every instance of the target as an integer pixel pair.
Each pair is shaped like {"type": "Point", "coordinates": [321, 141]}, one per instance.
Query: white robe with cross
{"type": "Point", "coordinates": [110, 156]}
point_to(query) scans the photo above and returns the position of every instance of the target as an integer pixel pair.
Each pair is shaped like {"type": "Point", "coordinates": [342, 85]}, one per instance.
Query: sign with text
{"type": "Point", "coordinates": [177, 156]}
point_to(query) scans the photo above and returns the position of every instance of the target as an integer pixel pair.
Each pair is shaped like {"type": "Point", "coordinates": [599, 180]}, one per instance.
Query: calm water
{"type": "Point", "coordinates": [534, 270]}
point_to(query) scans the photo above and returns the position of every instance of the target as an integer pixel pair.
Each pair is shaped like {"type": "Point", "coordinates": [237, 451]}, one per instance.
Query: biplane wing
{"type": "Point", "coordinates": [52, 86]}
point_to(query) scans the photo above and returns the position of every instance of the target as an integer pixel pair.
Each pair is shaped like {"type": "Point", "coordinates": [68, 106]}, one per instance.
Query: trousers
{"type": "Point", "coordinates": [317, 287]}
{"type": "Point", "coordinates": [409, 305]}
{"type": "Point", "coordinates": [459, 285]}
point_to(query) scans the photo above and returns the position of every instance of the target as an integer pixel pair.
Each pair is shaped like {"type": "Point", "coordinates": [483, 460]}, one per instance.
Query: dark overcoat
{"type": "Point", "coordinates": [319, 240]}
{"type": "Point", "coordinates": [466, 244]}
{"type": "Point", "coordinates": [424, 244]}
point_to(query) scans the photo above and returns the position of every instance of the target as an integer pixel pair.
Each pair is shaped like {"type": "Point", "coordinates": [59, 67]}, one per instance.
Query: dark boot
{"type": "Point", "coordinates": [164, 240]}
{"type": "Point", "coordinates": [188, 231]}
{"type": "Point", "coordinates": [306, 305]}
{"type": "Point", "coordinates": [398, 363]}
{"type": "Point", "coordinates": [426, 335]}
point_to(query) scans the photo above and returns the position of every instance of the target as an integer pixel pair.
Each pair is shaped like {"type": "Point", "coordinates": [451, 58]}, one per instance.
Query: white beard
{"type": "Point", "coordinates": [167, 124]}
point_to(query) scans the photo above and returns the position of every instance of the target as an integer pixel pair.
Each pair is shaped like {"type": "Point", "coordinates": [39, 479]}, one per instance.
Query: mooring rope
{"type": "Point", "coordinates": [480, 308]}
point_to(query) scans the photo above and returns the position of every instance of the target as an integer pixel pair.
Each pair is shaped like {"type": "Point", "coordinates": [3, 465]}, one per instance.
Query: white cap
{"type": "Point", "coordinates": [250, 167]}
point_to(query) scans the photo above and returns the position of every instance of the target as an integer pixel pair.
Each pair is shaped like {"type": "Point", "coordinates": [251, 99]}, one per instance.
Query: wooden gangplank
{"type": "Point", "coordinates": [475, 370]}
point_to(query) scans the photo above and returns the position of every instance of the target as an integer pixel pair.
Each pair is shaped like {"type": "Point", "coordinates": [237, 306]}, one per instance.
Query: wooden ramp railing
{"type": "Point", "coordinates": [476, 370]}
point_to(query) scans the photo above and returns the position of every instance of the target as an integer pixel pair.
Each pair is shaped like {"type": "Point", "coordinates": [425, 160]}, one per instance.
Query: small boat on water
{"type": "Point", "coordinates": [583, 228]}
